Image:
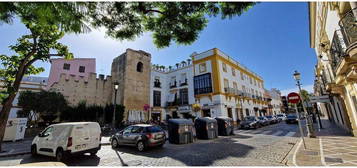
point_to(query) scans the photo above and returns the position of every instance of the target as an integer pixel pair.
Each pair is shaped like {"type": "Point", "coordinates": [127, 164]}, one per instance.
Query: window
{"type": "Point", "coordinates": [202, 84]}
{"type": "Point", "coordinates": [66, 66]}
{"type": "Point", "coordinates": [183, 79]}
{"type": "Point", "coordinates": [235, 86]}
{"type": "Point", "coordinates": [157, 98]}
{"type": "Point", "coordinates": [183, 96]}
{"type": "Point", "coordinates": [241, 76]}
{"type": "Point", "coordinates": [226, 84]}
{"type": "Point", "coordinates": [233, 72]}
{"type": "Point", "coordinates": [255, 82]}
{"type": "Point", "coordinates": [224, 66]}
{"type": "Point", "coordinates": [157, 82]}
{"type": "Point", "coordinates": [173, 82]}
{"type": "Point", "coordinates": [82, 69]}
{"type": "Point", "coordinates": [137, 129]}
{"type": "Point", "coordinates": [139, 67]}
{"type": "Point", "coordinates": [202, 67]}
{"type": "Point", "coordinates": [250, 80]}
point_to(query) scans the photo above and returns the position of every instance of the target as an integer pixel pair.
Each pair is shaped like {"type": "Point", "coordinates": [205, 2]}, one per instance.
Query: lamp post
{"type": "Point", "coordinates": [116, 86]}
{"type": "Point", "coordinates": [310, 130]}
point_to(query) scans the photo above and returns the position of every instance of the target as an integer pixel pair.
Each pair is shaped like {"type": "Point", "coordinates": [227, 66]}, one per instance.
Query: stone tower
{"type": "Point", "coordinates": [132, 71]}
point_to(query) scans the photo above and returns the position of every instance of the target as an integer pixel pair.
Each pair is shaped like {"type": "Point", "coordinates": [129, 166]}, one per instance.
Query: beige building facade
{"type": "Point", "coordinates": [333, 35]}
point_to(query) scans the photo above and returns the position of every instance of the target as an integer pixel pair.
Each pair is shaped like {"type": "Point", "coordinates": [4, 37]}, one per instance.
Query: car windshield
{"type": "Point", "coordinates": [280, 115]}
{"type": "Point", "coordinates": [261, 118]}
{"type": "Point", "coordinates": [249, 118]}
{"type": "Point", "coordinates": [269, 116]}
{"type": "Point", "coordinates": [291, 116]}
{"type": "Point", "coordinates": [154, 129]}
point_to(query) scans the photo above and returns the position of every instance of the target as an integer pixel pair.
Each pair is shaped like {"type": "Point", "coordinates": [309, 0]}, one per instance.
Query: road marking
{"type": "Point", "coordinates": [322, 153]}
{"type": "Point", "coordinates": [277, 133]}
{"type": "Point", "coordinates": [295, 152]}
{"type": "Point", "coordinates": [290, 134]}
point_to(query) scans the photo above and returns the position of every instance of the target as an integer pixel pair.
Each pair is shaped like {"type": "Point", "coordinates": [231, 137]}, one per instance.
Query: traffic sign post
{"type": "Point", "coordinates": [294, 98]}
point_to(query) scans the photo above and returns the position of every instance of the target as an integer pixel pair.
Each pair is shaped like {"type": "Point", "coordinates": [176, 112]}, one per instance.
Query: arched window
{"type": "Point", "coordinates": [139, 67]}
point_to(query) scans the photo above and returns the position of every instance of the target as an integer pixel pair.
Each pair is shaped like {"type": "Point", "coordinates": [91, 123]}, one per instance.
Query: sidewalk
{"type": "Point", "coordinates": [24, 147]}
{"type": "Point", "coordinates": [332, 147]}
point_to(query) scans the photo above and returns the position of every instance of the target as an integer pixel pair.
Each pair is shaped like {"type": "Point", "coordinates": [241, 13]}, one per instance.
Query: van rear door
{"type": "Point", "coordinates": [81, 138]}
{"type": "Point", "coordinates": [94, 135]}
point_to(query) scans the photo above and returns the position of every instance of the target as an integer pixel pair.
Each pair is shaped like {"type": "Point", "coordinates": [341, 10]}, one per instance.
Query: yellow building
{"type": "Point", "coordinates": [224, 87]}
{"type": "Point", "coordinates": [333, 35]}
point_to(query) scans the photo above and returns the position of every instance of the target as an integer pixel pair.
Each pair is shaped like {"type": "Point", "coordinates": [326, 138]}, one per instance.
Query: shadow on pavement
{"type": "Point", "coordinates": [85, 160]}
{"type": "Point", "coordinates": [195, 154]}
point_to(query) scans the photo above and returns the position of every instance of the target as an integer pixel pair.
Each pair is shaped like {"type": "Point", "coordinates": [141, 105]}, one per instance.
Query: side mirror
{"type": "Point", "coordinates": [39, 135]}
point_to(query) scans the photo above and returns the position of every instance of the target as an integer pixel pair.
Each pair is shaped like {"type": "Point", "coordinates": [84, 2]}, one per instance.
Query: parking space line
{"type": "Point", "coordinates": [290, 134]}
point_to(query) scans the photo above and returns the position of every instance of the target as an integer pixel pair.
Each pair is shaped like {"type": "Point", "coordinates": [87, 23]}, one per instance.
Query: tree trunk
{"type": "Point", "coordinates": [5, 111]}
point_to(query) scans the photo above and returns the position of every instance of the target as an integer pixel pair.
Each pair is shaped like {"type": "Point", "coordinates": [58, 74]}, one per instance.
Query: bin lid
{"type": "Point", "coordinates": [181, 121]}
{"type": "Point", "coordinates": [206, 119]}
{"type": "Point", "coordinates": [224, 118]}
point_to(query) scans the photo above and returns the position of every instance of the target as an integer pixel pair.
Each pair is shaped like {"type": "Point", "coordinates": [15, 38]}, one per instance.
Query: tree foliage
{"type": "Point", "coordinates": [45, 104]}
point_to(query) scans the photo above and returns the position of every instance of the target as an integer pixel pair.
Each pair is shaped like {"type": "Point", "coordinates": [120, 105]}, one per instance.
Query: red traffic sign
{"type": "Point", "coordinates": [293, 98]}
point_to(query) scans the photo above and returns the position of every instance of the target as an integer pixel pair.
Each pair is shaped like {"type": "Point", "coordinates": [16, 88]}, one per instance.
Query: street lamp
{"type": "Point", "coordinates": [310, 130]}
{"type": "Point", "coordinates": [116, 86]}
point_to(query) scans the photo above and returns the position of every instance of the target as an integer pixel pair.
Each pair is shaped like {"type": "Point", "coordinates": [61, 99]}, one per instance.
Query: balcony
{"type": "Point", "coordinates": [173, 85]}
{"type": "Point", "coordinates": [203, 90]}
{"type": "Point", "coordinates": [184, 83]}
{"type": "Point", "coordinates": [344, 44]}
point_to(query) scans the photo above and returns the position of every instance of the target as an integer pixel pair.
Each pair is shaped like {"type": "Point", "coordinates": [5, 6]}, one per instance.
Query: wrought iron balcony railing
{"type": "Point", "coordinates": [337, 50]}
{"type": "Point", "coordinates": [348, 24]}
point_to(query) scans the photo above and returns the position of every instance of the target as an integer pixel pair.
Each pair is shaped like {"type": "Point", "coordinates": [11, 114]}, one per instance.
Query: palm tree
{"type": "Point", "coordinates": [177, 65]}
{"type": "Point", "coordinates": [183, 63]}
{"type": "Point", "coordinates": [162, 67]}
{"type": "Point", "coordinates": [188, 61]}
{"type": "Point", "coordinates": [170, 67]}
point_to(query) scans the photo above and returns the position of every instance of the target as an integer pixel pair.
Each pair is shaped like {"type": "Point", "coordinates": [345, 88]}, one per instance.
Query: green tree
{"type": "Point", "coordinates": [177, 22]}
{"type": "Point", "coordinates": [28, 101]}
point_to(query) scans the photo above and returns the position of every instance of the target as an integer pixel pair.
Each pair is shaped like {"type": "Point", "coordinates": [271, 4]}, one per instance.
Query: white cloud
{"type": "Point", "coordinates": [309, 88]}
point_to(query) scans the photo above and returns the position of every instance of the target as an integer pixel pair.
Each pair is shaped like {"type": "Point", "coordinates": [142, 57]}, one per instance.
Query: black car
{"type": "Point", "coordinates": [141, 136]}
{"type": "Point", "coordinates": [291, 119]}
{"type": "Point", "coordinates": [250, 122]}
{"type": "Point", "coordinates": [263, 121]}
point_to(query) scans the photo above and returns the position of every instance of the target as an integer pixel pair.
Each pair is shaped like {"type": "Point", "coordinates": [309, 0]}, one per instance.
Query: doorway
{"type": "Point", "coordinates": [156, 116]}
{"type": "Point", "coordinates": [229, 111]}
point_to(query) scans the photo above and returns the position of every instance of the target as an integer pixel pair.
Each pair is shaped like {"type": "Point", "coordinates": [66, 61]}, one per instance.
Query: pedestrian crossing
{"type": "Point", "coordinates": [280, 133]}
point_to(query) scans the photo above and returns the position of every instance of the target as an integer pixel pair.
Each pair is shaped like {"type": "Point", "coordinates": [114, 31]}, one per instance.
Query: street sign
{"type": "Point", "coordinates": [321, 99]}
{"type": "Point", "coordinates": [293, 98]}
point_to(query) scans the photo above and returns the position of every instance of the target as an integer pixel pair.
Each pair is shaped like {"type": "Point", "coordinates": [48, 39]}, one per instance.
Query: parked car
{"type": "Point", "coordinates": [282, 117]}
{"type": "Point", "coordinates": [272, 120]}
{"type": "Point", "coordinates": [277, 118]}
{"type": "Point", "coordinates": [250, 122]}
{"type": "Point", "coordinates": [61, 140]}
{"type": "Point", "coordinates": [263, 121]}
{"type": "Point", "coordinates": [141, 136]}
{"type": "Point", "coordinates": [291, 119]}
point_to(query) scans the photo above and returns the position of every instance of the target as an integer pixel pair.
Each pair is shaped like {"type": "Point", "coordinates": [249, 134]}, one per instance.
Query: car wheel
{"type": "Point", "coordinates": [114, 143]}
{"type": "Point", "coordinates": [60, 156]}
{"type": "Point", "coordinates": [33, 150]}
{"type": "Point", "coordinates": [140, 146]}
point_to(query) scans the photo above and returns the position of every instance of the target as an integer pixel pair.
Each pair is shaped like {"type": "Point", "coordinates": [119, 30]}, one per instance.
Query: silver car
{"type": "Point", "coordinates": [141, 136]}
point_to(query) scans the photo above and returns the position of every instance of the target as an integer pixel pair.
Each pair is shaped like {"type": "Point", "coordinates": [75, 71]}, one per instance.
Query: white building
{"type": "Point", "coordinates": [276, 102]}
{"type": "Point", "coordinates": [28, 83]}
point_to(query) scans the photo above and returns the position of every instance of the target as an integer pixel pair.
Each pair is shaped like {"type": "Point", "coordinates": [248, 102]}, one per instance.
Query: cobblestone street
{"type": "Point", "coordinates": [264, 146]}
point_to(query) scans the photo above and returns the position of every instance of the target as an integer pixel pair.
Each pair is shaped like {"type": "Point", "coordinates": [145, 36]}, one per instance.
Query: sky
{"type": "Point", "coordinates": [271, 39]}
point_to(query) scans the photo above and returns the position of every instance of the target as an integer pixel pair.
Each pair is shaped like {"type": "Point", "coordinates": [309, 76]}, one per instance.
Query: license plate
{"type": "Point", "coordinates": [78, 147]}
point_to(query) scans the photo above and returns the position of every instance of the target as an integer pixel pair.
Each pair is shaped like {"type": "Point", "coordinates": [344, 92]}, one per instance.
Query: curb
{"type": "Point", "coordinates": [288, 160]}
{"type": "Point", "coordinates": [14, 154]}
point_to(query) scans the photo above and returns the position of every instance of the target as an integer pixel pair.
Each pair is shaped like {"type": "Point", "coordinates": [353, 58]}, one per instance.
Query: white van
{"type": "Point", "coordinates": [60, 140]}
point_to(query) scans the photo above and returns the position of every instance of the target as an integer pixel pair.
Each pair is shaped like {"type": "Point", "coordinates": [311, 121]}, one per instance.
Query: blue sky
{"type": "Point", "coordinates": [271, 39]}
